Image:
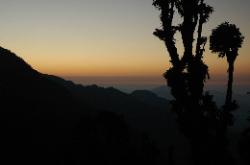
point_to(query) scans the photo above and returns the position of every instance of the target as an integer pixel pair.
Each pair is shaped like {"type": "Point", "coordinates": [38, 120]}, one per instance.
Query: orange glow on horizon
{"type": "Point", "coordinates": [110, 41]}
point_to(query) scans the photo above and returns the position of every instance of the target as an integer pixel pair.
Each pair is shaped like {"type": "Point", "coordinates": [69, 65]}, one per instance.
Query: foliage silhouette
{"type": "Point", "coordinates": [198, 116]}
{"type": "Point", "coordinates": [226, 40]}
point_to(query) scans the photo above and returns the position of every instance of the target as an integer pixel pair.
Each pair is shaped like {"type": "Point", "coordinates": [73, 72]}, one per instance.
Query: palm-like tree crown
{"type": "Point", "coordinates": [225, 39]}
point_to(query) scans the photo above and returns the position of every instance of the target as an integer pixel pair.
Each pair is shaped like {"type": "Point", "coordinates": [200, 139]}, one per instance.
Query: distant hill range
{"type": "Point", "coordinates": [143, 110]}
{"type": "Point", "coordinates": [48, 120]}
{"type": "Point", "coordinates": [163, 91]}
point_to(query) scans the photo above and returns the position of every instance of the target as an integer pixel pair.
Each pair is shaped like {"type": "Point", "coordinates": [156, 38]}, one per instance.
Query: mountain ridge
{"type": "Point", "coordinates": [46, 119]}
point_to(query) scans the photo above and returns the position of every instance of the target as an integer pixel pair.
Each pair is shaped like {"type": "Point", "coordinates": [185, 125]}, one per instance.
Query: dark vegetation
{"type": "Point", "coordinates": [200, 120]}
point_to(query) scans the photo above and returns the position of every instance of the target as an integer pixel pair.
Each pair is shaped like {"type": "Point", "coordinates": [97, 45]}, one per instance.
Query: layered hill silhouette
{"type": "Point", "coordinates": [48, 120]}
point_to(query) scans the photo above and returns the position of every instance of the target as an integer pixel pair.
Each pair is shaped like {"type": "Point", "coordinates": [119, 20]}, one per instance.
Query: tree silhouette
{"type": "Point", "coordinates": [194, 13]}
{"type": "Point", "coordinates": [198, 116]}
{"type": "Point", "coordinates": [226, 40]}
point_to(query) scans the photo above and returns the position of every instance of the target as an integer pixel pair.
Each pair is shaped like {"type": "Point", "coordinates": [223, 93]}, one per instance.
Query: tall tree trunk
{"type": "Point", "coordinates": [229, 83]}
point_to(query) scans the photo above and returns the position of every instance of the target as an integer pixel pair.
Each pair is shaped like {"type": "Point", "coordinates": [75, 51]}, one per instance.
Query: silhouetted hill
{"type": "Point", "coordinates": [47, 120]}
{"type": "Point", "coordinates": [142, 109]}
{"type": "Point", "coordinates": [163, 91]}
{"type": "Point", "coordinates": [113, 99]}
{"type": "Point", "coordinates": [32, 107]}
{"type": "Point", "coordinates": [150, 98]}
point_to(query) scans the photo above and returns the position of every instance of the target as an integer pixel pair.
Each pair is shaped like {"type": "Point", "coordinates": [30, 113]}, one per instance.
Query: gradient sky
{"type": "Point", "coordinates": [106, 37]}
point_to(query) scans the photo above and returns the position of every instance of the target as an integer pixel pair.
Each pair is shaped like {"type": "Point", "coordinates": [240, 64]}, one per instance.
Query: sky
{"type": "Point", "coordinates": [107, 38]}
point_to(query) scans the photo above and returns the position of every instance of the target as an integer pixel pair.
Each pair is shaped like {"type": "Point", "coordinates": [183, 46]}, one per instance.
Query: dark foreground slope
{"type": "Point", "coordinates": [47, 120]}
{"type": "Point", "coordinates": [142, 109]}
{"type": "Point", "coordinates": [32, 108]}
